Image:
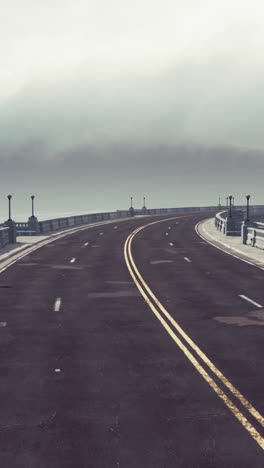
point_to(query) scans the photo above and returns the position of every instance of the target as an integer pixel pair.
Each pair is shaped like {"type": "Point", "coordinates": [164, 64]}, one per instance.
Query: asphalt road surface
{"type": "Point", "coordinates": [132, 350]}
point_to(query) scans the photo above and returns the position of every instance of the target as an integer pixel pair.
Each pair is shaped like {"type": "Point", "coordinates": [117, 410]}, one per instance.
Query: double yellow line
{"type": "Point", "coordinates": [182, 340]}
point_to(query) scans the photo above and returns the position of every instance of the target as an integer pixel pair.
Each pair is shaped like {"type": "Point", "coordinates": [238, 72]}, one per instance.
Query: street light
{"type": "Point", "coordinates": [233, 202]}
{"type": "Point", "coordinates": [144, 203]}
{"type": "Point", "coordinates": [32, 198]}
{"type": "Point", "coordinates": [227, 202]}
{"type": "Point", "coordinates": [247, 197]}
{"type": "Point", "coordinates": [131, 209]}
{"type": "Point", "coordinates": [9, 207]}
{"type": "Point", "coordinates": [230, 205]}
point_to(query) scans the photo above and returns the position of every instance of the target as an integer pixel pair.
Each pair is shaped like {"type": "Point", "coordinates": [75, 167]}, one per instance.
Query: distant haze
{"type": "Point", "coordinates": [100, 101]}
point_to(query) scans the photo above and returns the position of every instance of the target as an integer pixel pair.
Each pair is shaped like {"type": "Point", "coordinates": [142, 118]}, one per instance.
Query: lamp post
{"type": "Point", "coordinates": [131, 199]}
{"type": "Point", "coordinates": [230, 206]}
{"type": "Point", "coordinates": [144, 203]}
{"type": "Point", "coordinates": [9, 207]}
{"type": "Point", "coordinates": [227, 202]}
{"type": "Point", "coordinates": [247, 197]}
{"type": "Point", "coordinates": [233, 202]}
{"type": "Point", "coordinates": [32, 198]}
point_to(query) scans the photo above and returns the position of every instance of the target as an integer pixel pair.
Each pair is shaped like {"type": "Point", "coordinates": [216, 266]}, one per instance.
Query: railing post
{"type": "Point", "coordinates": [244, 232]}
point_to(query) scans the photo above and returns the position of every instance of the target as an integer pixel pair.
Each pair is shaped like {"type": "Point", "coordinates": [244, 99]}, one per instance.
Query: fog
{"type": "Point", "coordinates": [107, 100]}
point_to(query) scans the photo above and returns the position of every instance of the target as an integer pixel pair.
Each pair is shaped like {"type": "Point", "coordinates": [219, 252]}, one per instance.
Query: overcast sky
{"type": "Point", "coordinates": [101, 100]}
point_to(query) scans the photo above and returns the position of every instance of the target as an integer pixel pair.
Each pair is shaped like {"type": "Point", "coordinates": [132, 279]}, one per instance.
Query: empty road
{"type": "Point", "coordinates": [131, 346]}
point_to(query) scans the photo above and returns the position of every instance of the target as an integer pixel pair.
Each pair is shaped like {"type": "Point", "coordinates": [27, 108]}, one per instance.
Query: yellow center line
{"type": "Point", "coordinates": [140, 283]}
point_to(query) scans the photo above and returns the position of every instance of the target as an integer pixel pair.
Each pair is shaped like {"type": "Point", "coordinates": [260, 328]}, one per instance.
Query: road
{"type": "Point", "coordinates": [140, 350]}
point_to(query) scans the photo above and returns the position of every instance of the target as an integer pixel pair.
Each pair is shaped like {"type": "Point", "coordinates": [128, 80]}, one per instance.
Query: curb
{"type": "Point", "coordinates": [225, 247]}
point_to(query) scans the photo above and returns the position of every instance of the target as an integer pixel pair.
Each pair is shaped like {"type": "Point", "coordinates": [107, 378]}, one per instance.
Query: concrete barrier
{"type": "Point", "coordinates": [71, 221]}
{"type": "Point", "coordinates": [230, 224]}
{"type": "Point", "coordinates": [253, 234]}
{"type": "Point", "coordinates": [4, 237]}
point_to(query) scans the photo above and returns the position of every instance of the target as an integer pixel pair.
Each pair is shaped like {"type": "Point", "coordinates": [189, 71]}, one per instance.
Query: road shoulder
{"type": "Point", "coordinates": [232, 245]}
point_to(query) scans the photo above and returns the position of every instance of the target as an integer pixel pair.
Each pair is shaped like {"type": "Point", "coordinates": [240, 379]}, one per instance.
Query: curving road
{"type": "Point", "coordinates": [127, 347]}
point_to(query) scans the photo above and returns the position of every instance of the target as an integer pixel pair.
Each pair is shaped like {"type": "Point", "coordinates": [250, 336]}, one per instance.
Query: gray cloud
{"type": "Point", "coordinates": [209, 103]}
{"type": "Point", "coordinates": [181, 129]}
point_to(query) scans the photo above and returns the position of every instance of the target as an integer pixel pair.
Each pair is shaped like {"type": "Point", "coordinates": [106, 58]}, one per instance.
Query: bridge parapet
{"type": "Point", "coordinates": [63, 223]}
{"type": "Point", "coordinates": [229, 225]}
{"type": "Point", "coordinates": [4, 237]}
{"type": "Point", "coordinates": [253, 234]}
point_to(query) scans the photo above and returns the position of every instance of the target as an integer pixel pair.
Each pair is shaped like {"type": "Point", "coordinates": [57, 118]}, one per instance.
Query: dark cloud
{"type": "Point", "coordinates": [183, 136]}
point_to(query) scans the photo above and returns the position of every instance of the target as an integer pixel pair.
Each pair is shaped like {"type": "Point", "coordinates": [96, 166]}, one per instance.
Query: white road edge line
{"type": "Point", "coordinates": [57, 304]}
{"type": "Point", "coordinates": [72, 260]}
{"type": "Point", "coordinates": [54, 237]}
{"type": "Point", "coordinates": [187, 259]}
{"type": "Point", "coordinates": [250, 300]}
{"type": "Point", "coordinates": [171, 243]}
{"type": "Point", "coordinates": [224, 250]}
{"type": "Point", "coordinates": [86, 243]}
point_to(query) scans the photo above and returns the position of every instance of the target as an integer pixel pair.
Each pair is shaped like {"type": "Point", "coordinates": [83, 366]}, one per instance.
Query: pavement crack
{"type": "Point", "coordinates": [49, 421]}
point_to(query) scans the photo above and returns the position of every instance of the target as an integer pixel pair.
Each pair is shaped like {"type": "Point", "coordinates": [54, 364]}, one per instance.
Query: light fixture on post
{"type": "Point", "coordinates": [230, 206]}
{"type": "Point", "coordinates": [32, 198]}
{"type": "Point", "coordinates": [9, 207]}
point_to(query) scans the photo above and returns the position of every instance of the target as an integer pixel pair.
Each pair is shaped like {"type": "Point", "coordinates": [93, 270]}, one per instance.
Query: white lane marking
{"type": "Point", "coordinates": [169, 227]}
{"type": "Point", "coordinates": [54, 237]}
{"type": "Point", "coordinates": [115, 227]}
{"type": "Point", "coordinates": [57, 370]}
{"type": "Point", "coordinates": [57, 304]}
{"type": "Point", "coordinates": [3, 324]}
{"type": "Point", "coordinates": [73, 260]}
{"type": "Point", "coordinates": [176, 222]}
{"type": "Point", "coordinates": [187, 259]}
{"type": "Point", "coordinates": [171, 243]}
{"type": "Point", "coordinates": [101, 233]}
{"type": "Point", "coordinates": [86, 243]}
{"type": "Point", "coordinates": [166, 234]}
{"type": "Point", "coordinates": [250, 300]}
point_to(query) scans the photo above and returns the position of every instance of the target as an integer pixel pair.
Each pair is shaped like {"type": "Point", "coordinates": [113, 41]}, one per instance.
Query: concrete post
{"type": "Point", "coordinates": [33, 224]}
{"type": "Point", "coordinates": [12, 231]}
{"type": "Point", "coordinates": [244, 232]}
{"type": "Point", "coordinates": [131, 209]}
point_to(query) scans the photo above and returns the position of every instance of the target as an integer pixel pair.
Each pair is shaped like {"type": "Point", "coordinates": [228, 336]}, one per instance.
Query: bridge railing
{"type": "Point", "coordinates": [4, 237]}
{"type": "Point", "coordinates": [253, 234]}
{"type": "Point", "coordinates": [64, 223]}
{"type": "Point", "coordinates": [229, 225]}
{"type": "Point", "coordinates": [220, 221]}
{"type": "Point", "coordinates": [35, 227]}
{"type": "Point", "coordinates": [71, 221]}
